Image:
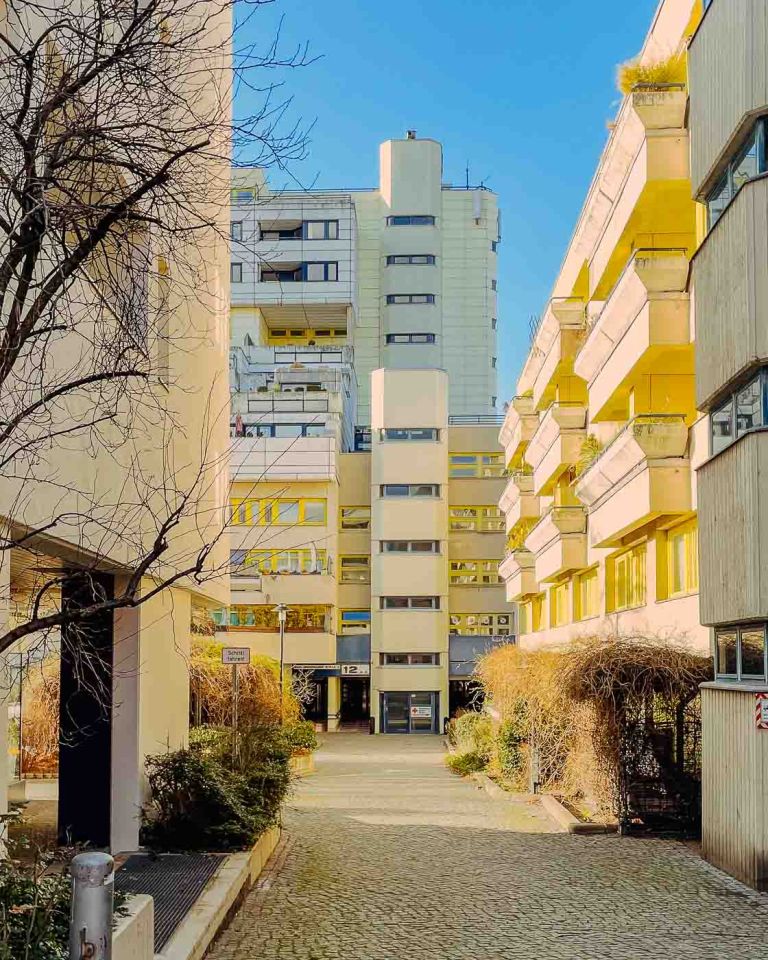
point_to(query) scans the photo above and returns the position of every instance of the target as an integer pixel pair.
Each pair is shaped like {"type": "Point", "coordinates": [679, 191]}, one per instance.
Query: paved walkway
{"type": "Point", "coordinates": [390, 857]}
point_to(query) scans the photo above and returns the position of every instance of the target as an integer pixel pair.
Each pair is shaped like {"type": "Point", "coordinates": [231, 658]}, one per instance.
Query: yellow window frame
{"type": "Point", "coordinates": [344, 610]}
{"type": "Point", "coordinates": [363, 562]}
{"type": "Point", "coordinates": [559, 604]}
{"type": "Point", "coordinates": [480, 518]}
{"type": "Point", "coordinates": [629, 588]}
{"type": "Point", "coordinates": [364, 507]}
{"type": "Point", "coordinates": [684, 538]}
{"type": "Point", "coordinates": [460, 570]}
{"type": "Point", "coordinates": [586, 594]}
{"type": "Point", "coordinates": [496, 461]}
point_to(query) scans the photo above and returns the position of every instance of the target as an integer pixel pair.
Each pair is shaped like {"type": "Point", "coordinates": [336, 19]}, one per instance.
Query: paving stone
{"type": "Point", "coordinates": [388, 856]}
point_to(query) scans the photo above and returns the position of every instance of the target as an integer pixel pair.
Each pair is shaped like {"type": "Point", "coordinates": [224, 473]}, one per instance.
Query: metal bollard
{"type": "Point", "coordinates": [90, 924]}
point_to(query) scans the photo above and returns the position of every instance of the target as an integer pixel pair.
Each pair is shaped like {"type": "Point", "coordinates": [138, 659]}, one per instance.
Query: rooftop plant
{"type": "Point", "coordinates": [633, 74]}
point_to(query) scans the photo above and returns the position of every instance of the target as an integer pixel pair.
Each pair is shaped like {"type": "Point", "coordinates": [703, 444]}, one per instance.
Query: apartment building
{"type": "Point", "coordinates": [729, 282]}
{"type": "Point", "coordinates": [404, 273]}
{"type": "Point", "coordinates": [366, 470]}
{"type": "Point", "coordinates": [603, 438]}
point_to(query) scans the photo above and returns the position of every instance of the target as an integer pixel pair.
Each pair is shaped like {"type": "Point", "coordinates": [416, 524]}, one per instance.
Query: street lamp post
{"type": "Point", "coordinates": [282, 616]}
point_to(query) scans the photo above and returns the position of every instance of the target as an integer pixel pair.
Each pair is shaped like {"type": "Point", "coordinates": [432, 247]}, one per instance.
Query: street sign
{"type": "Point", "coordinates": [236, 655]}
{"type": "Point", "coordinates": [761, 711]}
{"type": "Point", "coordinates": [355, 669]}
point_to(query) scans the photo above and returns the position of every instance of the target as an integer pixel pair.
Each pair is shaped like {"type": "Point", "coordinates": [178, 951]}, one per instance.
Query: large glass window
{"type": "Point", "coordinates": [481, 519]}
{"type": "Point", "coordinates": [410, 433]}
{"type": "Point", "coordinates": [413, 220]}
{"type": "Point", "coordinates": [410, 490]}
{"type": "Point", "coordinates": [586, 595]}
{"type": "Point", "coordinates": [749, 162]}
{"type": "Point", "coordinates": [683, 560]}
{"type": "Point", "coordinates": [355, 569]}
{"type": "Point", "coordinates": [742, 412]}
{"type": "Point", "coordinates": [740, 653]}
{"type": "Point", "coordinates": [355, 621]}
{"type": "Point", "coordinates": [355, 518]}
{"type": "Point", "coordinates": [410, 603]}
{"type": "Point", "coordinates": [321, 229]}
{"type": "Point", "coordinates": [627, 587]}
{"type": "Point", "coordinates": [474, 572]}
{"type": "Point", "coordinates": [476, 465]}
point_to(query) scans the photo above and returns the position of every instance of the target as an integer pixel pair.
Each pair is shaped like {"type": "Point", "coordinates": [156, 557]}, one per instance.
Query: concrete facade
{"type": "Point", "coordinates": [729, 104]}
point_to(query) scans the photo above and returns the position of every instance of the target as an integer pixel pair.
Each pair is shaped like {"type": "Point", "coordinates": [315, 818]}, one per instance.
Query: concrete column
{"type": "Point", "coordinates": [151, 701]}
{"type": "Point", "coordinates": [334, 703]}
{"type": "Point", "coordinates": [85, 717]}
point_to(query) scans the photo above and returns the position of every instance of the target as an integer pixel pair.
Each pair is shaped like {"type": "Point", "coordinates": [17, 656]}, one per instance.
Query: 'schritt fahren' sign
{"type": "Point", "coordinates": [236, 655]}
{"type": "Point", "coordinates": [761, 711]}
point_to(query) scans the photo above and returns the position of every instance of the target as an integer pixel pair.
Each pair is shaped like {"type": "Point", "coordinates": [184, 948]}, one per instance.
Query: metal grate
{"type": "Point", "coordinates": [175, 881]}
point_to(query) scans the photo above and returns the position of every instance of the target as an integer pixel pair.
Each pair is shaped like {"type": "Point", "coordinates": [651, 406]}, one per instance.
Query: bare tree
{"type": "Point", "coordinates": [115, 140]}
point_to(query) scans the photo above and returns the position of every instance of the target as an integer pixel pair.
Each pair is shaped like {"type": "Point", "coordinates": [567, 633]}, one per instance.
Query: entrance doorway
{"type": "Point", "coordinates": [355, 702]}
{"type": "Point", "coordinates": [410, 712]}
{"type": "Point", "coordinates": [314, 698]}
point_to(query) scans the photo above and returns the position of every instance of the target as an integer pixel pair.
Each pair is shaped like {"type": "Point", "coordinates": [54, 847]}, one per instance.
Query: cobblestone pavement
{"type": "Point", "coordinates": [388, 856]}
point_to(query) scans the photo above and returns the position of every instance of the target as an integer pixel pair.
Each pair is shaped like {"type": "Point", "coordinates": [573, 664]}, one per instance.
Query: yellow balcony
{"type": "Point", "coordinates": [518, 502]}
{"type": "Point", "coordinates": [558, 543]}
{"type": "Point", "coordinates": [643, 329]}
{"type": "Point", "coordinates": [641, 476]}
{"type": "Point", "coordinates": [565, 337]}
{"type": "Point", "coordinates": [517, 571]}
{"type": "Point", "coordinates": [556, 445]}
{"type": "Point", "coordinates": [520, 424]}
{"type": "Point", "coordinates": [652, 207]}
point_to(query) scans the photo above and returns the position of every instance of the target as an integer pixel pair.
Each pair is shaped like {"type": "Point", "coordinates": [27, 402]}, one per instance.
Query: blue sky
{"type": "Point", "coordinates": [522, 90]}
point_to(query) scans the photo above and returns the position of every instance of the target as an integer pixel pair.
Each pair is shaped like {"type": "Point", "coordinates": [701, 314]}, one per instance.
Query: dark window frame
{"type": "Point", "coordinates": [407, 299]}
{"type": "Point", "coordinates": [725, 186]}
{"type": "Point", "coordinates": [739, 676]}
{"type": "Point", "coordinates": [412, 259]}
{"type": "Point", "coordinates": [761, 377]}
{"type": "Point", "coordinates": [409, 544]}
{"type": "Point", "coordinates": [393, 339]}
{"type": "Point", "coordinates": [236, 272]}
{"type": "Point", "coordinates": [410, 487]}
{"type": "Point", "coordinates": [384, 435]}
{"type": "Point", "coordinates": [411, 220]}
{"type": "Point", "coordinates": [410, 603]}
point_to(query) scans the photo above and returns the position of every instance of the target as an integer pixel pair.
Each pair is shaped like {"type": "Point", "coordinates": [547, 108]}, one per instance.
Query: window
{"type": "Point", "coordinates": [287, 230]}
{"type": "Point", "coordinates": [476, 465]}
{"type": "Point", "coordinates": [304, 511]}
{"type": "Point", "coordinates": [403, 298]}
{"type": "Point", "coordinates": [411, 221]}
{"type": "Point", "coordinates": [626, 576]}
{"type": "Point", "coordinates": [742, 412]}
{"type": "Point", "coordinates": [410, 433]}
{"type": "Point", "coordinates": [355, 518]}
{"type": "Point", "coordinates": [484, 519]}
{"type": "Point", "coordinates": [271, 562]}
{"type": "Point", "coordinates": [321, 230]}
{"type": "Point", "coordinates": [409, 659]}
{"type": "Point", "coordinates": [750, 162]}
{"type": "Point", "coordinates": [410, 490]}
{"type": "Point", "coordinates": [410, 546]}
{"type": "Point", "coordinates": [474, 572]}
{"type": "Point", "coordinates": [270, 273]}
{"type": "Point", "coordinates": [236, 230]}
{"type": "Point", "coordinates": [417, 259]}
{"type": "Point", "coordinates": [410, 603]}
{"type": "Point", "coordinates": [559, 604]}
{"type": "Point", "coordinates": [236, 272]}
{"type": "Point", "coordinates": [242, 196]}
{"type": "Point", "coordinates": [740, 653]}
{"type": "Point", "coordinates": [318, 272]}
{"type": "Point", "coordinates": [299, 619]}
{"type": "Point", "coordinates": [481, 624]}
{"type": "Point", "coordinates": [355, 569]}
{"type": "Point", "coordinates": [494, 285]}
{"type": "Point", "coordinates": [282, 430]}
{"type": "Point", "coordinates": [533, 614]}
{"type": "Point", "coordinates": [494, 323]}
{"type": "Point", "coordinates": [586, 595]}
{"type": "Point", "coordinates": [494, 246]}
{"type": "Point", "coordinates": [410, 338]}
{"type": "Point", "coordinates": [355, 621]}
{"type": "Point", "coordinates": [683, 560]}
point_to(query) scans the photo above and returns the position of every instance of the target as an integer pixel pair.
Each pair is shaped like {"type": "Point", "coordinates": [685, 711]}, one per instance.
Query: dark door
{"type": "Point", "coordinates": [355, 707]}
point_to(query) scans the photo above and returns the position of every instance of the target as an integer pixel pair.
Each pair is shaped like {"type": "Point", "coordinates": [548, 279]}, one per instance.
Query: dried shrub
{"type": "Point", "coordinates": [633, 74]}
{"type": "Point", "coordinates": [40, 720]}
{"type": "Point", "coordinates": [259, 689]}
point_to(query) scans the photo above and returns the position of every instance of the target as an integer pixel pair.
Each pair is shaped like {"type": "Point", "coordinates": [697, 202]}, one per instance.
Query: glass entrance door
{"type": "Point", "coordinates": [396, 710]}
{"type": "Point", "coordinates": [410, 712]}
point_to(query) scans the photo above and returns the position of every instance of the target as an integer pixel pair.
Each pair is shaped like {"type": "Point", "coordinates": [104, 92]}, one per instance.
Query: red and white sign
{"type": "Point", "coordinates": [761, 711]}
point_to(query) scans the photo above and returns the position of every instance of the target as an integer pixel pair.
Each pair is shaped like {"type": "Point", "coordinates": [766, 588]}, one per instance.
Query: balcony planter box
{"type": "Point", "coordinates": [517, 570]}
{"type": "Point", "coordinates": [661, 107]}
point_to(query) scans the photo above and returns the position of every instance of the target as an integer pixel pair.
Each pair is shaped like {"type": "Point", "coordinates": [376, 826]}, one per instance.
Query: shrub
{"type": "Point", "coordinates": [472, 732]}
{"type": "Point", "coordinates": [511, 740]}
{"type": "Point", "coordinates": [34, 914]}
{"type": "Point", "coordinates": [466, 763]}
{"type": "Point", "coordinates": [200, 800]}
{"type": "Point", "coordinates": [633, 74]}
{"type": "Point", "coordinates": [302, 737]}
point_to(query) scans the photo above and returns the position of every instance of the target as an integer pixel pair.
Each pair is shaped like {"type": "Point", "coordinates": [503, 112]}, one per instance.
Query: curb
{"type": "Point", "coordinates": [565, 820]}
{"type": "Point", "coordinates": [228, 885]}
